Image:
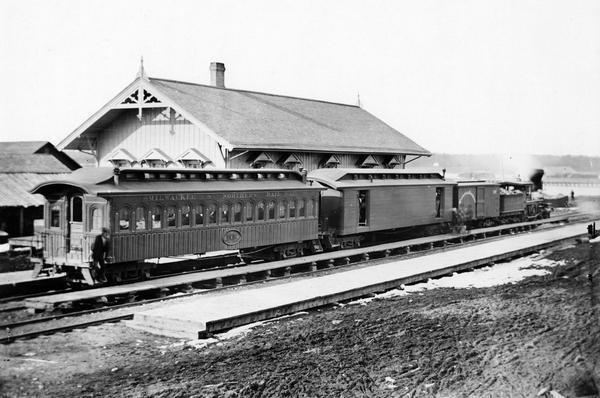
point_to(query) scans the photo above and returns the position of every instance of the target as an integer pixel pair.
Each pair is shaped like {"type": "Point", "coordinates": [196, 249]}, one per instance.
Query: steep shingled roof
{"type": "Point", "coordinates": [252, 120]}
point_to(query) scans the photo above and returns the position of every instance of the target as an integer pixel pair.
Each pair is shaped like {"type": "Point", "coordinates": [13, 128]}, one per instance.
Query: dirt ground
{"type": "Point", "coordinates": [504, 341]}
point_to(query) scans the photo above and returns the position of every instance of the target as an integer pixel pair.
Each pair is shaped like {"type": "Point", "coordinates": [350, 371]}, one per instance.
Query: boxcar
{"type": "Point", "coordinates": [364, 201]}
{"type": "Point", "coordinates": [168, 212]}
{"type": "Point", "coordinates": [477, 202]}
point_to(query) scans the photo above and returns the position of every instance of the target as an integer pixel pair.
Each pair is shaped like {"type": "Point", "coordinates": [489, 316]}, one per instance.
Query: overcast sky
{"type": "Point", "coordinates": [474, 76]}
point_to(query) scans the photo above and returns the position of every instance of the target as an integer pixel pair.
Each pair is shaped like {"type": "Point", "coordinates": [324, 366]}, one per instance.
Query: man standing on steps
{"type": "Point", "coordinates": [100, 250]}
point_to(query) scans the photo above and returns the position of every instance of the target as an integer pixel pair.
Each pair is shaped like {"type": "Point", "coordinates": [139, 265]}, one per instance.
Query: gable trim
{"type": "Point", "coordinates": [140, 84]}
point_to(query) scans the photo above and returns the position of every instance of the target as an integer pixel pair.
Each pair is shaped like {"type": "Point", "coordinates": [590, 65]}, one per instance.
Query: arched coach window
{"type": "Point", "coordinates": [171, 217]}
{"type": "Point", "coordinates": [199, 215]}
{"type": "Point", "coordinates": [261, 211]}
{"type": "Point", "coordinates": [212, 214]}
{"type": "Point", "coordinates": [292, 208]}
{"type": "Point", "coordinates": [282, 205]}
{"type": "Point", "coordinates": [313, 205]}
{"type": "Point", "coordinates": [225, 209]}
{"type": "Point", "coordinates": [186, 216]}
{"type": "Point", "coordinates": [301, 209]}
{"type": "Point", "coordinates": [95, 219]}
{"type": "Point", "coordinates": [77, 209]}
{"type": "Point", "coordinates": [124, 219]}
{"type": "Point", "coordinates": [156, 217]}
{"type": "Point", "coordinates": [309, 207]}
{"type": "Point", "coordinates": [250, 211]}
{"type": "Point", "coordinates": [237, 212]}
{"type": "Point", "coordinates": [271, 210]}
{"type": "Point", "coordinates": [140, 218]}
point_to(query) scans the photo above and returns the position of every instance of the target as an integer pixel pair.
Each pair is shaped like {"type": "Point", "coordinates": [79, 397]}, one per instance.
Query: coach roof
{"type": "Point", "coordinates": [366, 178]}
{"type": "Point", "coordinates": [105, 181]}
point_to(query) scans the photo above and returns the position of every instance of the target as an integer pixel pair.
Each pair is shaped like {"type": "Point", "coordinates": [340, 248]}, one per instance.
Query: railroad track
{"type": "Point", "coordinates": [30, 328]}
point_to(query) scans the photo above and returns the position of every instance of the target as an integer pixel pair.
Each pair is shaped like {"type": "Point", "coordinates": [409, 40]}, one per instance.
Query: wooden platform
{"type": "Point", "coordinates": [197, 316]}
{"type": "Point", "coordinates": [235, 275]}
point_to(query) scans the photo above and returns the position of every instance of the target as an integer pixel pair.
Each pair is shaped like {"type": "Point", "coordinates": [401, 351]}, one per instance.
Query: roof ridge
{"type": "Point", "coordinates": [254, 92]}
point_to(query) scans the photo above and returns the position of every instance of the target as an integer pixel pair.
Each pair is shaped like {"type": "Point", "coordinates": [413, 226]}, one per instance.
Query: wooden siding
{"type": "Point", "coordinates": [310, 160]}
{"type": "Point", "coordinates": [150, 244]}
{"type": "Point", "coordinates": [395, 207]}
{"type": "Point", "coordinates": [155, 131]}
{"type": "Point", "coordinates": [478, 202]}
{"type": "Point", "coordinates": [513, 203]}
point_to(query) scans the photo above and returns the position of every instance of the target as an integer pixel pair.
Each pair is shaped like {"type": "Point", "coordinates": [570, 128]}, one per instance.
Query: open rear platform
{"type": "Point", "coordinates": [197, 316]}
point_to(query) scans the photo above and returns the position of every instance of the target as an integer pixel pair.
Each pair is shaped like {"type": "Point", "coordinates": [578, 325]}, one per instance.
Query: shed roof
{"type": "Point", "coordinates": [15, 187]}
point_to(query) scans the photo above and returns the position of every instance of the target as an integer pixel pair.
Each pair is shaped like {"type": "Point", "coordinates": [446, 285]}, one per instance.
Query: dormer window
{"type": "Point", "coordinates": [368, 162]}
{"type": "Point", "coordinates": [193, 159]}
{"type": "Point", "coordinates": [392, 162]}
{"type": "Point", "coordinates": [331, 162]}
{"type": "Point", "coordinates": [262, 160]}
{"type": "Point", "coordinates": [156, 158]}
{"type": "Point", "coordinates": [291, 162]}
{"type": "Point", "coordinates": [122, 158]}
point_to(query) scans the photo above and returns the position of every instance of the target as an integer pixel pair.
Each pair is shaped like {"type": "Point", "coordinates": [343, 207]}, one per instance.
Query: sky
{"type": "Point", "coordinates": [461, 76]}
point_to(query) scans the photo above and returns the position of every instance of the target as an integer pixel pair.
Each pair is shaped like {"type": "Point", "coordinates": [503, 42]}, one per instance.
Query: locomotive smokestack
{"type": "Point", "coordinates": [217, 74]}
{"type": "Point", "coordinates": [536, 178]}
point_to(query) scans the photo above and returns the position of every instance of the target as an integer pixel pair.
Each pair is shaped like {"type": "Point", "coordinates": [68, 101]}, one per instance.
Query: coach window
{"type": "Point", "coordinates": [292, 208]}
{"type": "Point", "coordinates": [199, 215]}
{"type": "Point", "coordinates": [249, 211]}
{"type": "Point", "coordinates": [140, 219]}
{"type": "Point", "coordinates": [362, 208]}
{"type": "Point", "coordinates": [225, 209]}
{"type": "Point", "coordinates": [124, 219]}
{"type": "Point", "coordinates": [186, 212]}
{"type": "Point", "coordinates": [314, 206]}
{"type": "Point", "coordinates": [309, 207]}
{"type": "Point", "coordinates": [237, 212]}
{"type": "Point", "coordinates": [261, 211]}
{"type": "Point", "coordinates": [212, 214]}
{"type": "Point", "coordinates": [77, 209]}
{"type": "Point", "coordinates": [282, 205]}
{"type": "Point", "coordinates": [271, 210]}
{"type": "Point", "coordinates": [301, 210]}
{"type": "Point", "coordinates": [55, 216]}
{"type": "Point", "coordinates": [439, 195]}
{"type": "Point", "coordinates": [171, 217]}
{"type": "Point", "coordinates": [156, 218]}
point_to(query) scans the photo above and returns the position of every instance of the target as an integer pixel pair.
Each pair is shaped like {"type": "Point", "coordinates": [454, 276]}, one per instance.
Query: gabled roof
{"type": "Point", "coordinates": [253, 120]}
{"type": "Point", "coordinates": [258, 121]}
{"type": "Point", "coordinates": [31, 163]}
{"type": "Point", "coordinates": [22, 147]}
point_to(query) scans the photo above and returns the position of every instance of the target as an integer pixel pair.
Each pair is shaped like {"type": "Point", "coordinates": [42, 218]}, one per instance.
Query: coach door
{"type": "Point", "coordinates": [480, 202]}
{"type": "Point", "coordinates": [75, 226]}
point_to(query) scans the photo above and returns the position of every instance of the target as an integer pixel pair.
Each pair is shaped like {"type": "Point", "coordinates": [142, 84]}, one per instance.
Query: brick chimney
{"type": "Point", "coordinates": [217, 74]}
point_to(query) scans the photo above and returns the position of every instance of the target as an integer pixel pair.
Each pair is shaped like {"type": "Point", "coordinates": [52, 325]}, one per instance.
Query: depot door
{"type": "Point", "coordinates": [75, 227]}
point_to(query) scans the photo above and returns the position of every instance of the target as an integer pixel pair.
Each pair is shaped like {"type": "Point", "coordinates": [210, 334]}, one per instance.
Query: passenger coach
{"type": "Point", "coordinates": [168, 212]}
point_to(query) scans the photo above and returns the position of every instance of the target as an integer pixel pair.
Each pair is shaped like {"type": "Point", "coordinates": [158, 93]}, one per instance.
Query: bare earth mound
{"type": "Point", "coordinates": [510, 340]}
